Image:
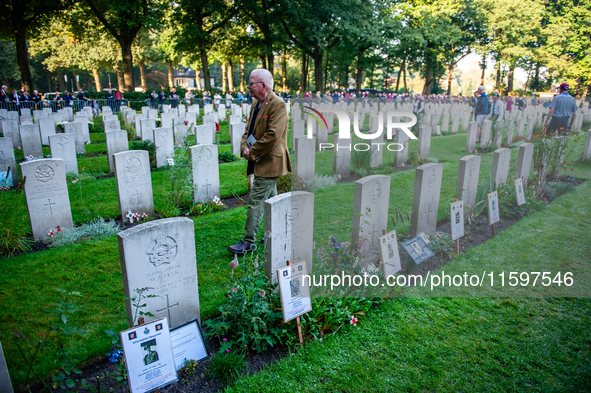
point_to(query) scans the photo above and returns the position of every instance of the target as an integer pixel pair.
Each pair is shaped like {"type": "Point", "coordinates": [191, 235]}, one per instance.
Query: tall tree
{"type": "Point", "coordinates": [21, 20]}
{"type": "Point", "coordinates": [198, 21]}
{"type": "Point", "coordinates": [123, 20]}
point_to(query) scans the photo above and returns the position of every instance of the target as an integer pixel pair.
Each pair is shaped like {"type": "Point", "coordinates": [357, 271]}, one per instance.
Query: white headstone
{"type": "Point", "coordinates": [76, 129]}
{"type": "Point", "coordinates": [500, 166]}
{"type": "Point", "coordinates": [206, 174]}
{"type": "Point", "coordinates": [64, 146]}
{"type": "Point", "coordinates": [164, 141]}
{"type": "Point", "coordinates": [526, 152]}
{"type": "Point", "coordinates": [47, 128]}
{"type": "Point", "coordinates": [5, 384]}
{"type": "Point", "coordinates": [31, 140]}
{"type": "Point", "coordinates": [47, 197]}
{"type": "Point", "coordinates": [424, 141]}
{"type": "Point", "coordinates": [160, 255]}
{"type": "Point", "coordinates": [10, 130]}
{"type": "Point", "coordinates": [148, 126]}
{"type": "Point", "coordinates": [112, 125]}
{"type": "Point", "coordinates": [289, 218]}
{"type": "Point", "coordinates": [467, 184]}
{"type": "Point", "coordinates": [116, 142]}
{"type": "Point", "coordinates": [371, 201]}
{"type": "Point", "coordinates": [471, 137]}
{"type": "Point", "coordinates": [204, 135]}
{"type": "Point", "coordinates": [7, 159]}
{"type": "Point", "coordinates": [341, 157]}
{"type": "Point", "coordinates": [134, 183]}
{"type": "Point", "coordinates": [236, 133]}
{"type": "Point", "coordinates": [426, 199]}
{"type": "Point", "coordinates": [305, 157]}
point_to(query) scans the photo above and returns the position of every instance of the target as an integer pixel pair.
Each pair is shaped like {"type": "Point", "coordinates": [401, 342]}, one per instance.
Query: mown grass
{"type": "Point", "coordinates": [92, 267]}
{"type": "Point", "coordinates": [466, 344]}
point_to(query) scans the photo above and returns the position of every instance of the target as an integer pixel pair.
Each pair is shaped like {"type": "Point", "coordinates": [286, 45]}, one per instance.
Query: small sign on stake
{"type": "Point", "coordinates": [457, 223]}
{"type": "Point", "coordinates": [389, 252]}
{"type": "Point", "coordinates": [519, 192]}
{"type": "Point", "coordinates": [493, 210]}
{"type": "Point", "coordinates": [294, 293]}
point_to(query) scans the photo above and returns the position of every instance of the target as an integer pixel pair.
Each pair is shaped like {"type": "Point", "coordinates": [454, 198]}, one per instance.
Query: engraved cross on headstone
{"type": "Point", "coordinates": [206, 185]}
{"type": "Point", "coordinates": [168, 307]}
{"type": "Point", "coordinates": [49, 204]}
{"type": "Point", "coordinates": [429, 211]}
{"type": "Point", "coordinates": [135, 198]}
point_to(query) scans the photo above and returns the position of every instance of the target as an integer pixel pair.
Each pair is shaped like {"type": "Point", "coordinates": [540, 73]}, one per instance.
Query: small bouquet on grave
{"type": "Point", "coordinates": [217, 127]}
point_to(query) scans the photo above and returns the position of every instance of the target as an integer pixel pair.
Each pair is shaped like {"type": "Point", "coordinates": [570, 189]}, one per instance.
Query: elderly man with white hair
{"type": "Point", "coordinates": [264, 145]}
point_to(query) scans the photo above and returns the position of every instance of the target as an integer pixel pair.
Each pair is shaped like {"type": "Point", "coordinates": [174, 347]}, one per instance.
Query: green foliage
{"type": "Point", "coordinates": [15, 230]}
{"type": "Point", "coordinates": [251, 315]}
{"type": "Point", "coordinates": [147, 145]}
{"type": "Point", "coordinates": [131, 133]}
{"type": "Point", "coordinates": [441, 244]}
{"type": "Point", "coordinates": [290, 182]}
{"type": "Point", "coordinates": [93, 230]}
{"type": "Point", "coordinates": [549, 156]}
{"type": "Point", "coordinates": [416, 160]}
{"type": "Point", "coordinates": [227, 157]}
{"type": "Point", "coordinates": [534, 200]}
{"type": "Point", "coordinates": [360, 160]}
{"type": "Point", "coordinates": [555, 189]}
{"type": "Point", "coordinates": [206, 207]}
{"type": "Point", "coordinates": [227, 366]}
{"type": "Point", "coordinates": [177, 184]}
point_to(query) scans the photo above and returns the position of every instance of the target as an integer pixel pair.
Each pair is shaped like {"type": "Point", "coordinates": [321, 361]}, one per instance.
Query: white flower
{"type": "Point", "coordinates": [216, 199]}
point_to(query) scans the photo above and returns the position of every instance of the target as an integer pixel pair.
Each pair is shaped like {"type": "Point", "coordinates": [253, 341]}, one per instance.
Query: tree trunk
{"type": "Point", "coordinates": [498, 77]}
{"type": "Point", "coordinates": [230, 77]}
{"type": "Point", "coordinates": [317, 67]}
{"type": "Point", "coordinates": [359, 76]}
{"type": "Point", "coordinates": [170, 74]}
{"type": "Point", "coordinates": [127, 64]}
{"type": "Point", "coordinates": [120, 80]}
{"type": "Point", "coordinates": [341, 70]}
{"type": "Point", "coordinates": [398, 76]}
{"type": "Point", "coordinates": [404, 78]}
{"type": "Point", "coordinates": [242, 85]}
{"type": "Point", "coordinates": [537, 77]}
{"type": "Point", "coordinates": [263, 61]}
{"type": "Point", "coordinates": [224, 84]}
{"type": "Point", "coordinates": [205, 65]}
{"type": "Point", "coordinates": [284, 70]}
{"type": "Point", "coordinates": [429, 65]}
{"type": "Point", "coordinates": [61, 81]}
{"type": "Point", "coordinates": [97, 79]}
{"type": "Point", "coordinates": [303, 77]}
{"type": "Point", "coordinates": [142, 65]}
{"type": "Point", "coordinates": [326, 72]}
{"type": "Point", "coordinates": [198, 79]}
{"type": "Point", "coordinates": [77, 77]}
{"type": "Point", "coordinates": [270, 60]}
{"type": "Point", "coordinates": [22, 58]}
{"type": "Point", "coordinates": [483, 66]}
{"type": "Point", "coordinates": [450, 69]}
{"type": "Point", "coordinates": [510, 79]}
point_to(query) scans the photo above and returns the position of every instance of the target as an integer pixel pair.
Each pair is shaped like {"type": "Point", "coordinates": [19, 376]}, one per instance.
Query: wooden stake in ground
{"type": "Point", "coordinates": [492, 227]}
{"type": "Point", "coordinates": [458, 246]}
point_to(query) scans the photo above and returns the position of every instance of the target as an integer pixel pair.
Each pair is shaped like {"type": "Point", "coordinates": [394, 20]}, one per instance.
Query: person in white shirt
{"type": "Point", "coordinates": [216, 100]}
{"type": "Point", "coordinates": [229, 99]}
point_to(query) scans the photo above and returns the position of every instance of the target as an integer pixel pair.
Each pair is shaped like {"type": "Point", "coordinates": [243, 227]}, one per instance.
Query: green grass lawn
{"type": "Point", "coordinates": [28, 284]}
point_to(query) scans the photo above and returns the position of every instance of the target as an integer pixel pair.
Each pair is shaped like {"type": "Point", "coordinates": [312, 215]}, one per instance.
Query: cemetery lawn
{"type": "Point", "coordinates": [29, 283]}
{"type": "Point", "coordinates": [464, 344]}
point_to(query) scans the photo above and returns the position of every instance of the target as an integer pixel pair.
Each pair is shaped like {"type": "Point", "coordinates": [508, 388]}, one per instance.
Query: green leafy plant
{"type": "Point", "coordinates": [15, 230]}
{"type": "Point", "coordinates": [131, 132]}
{"type": "Point", "coordinates": [227, 157]}
{"type": "Point", "coordinates": [441, 244]}
{"type": "Point", "coordinates": [290, 182]}
{"type": "Point", "coordinates": [177, 184]}
{"type": "Point", "coordinates": [534, 200]}
{"type": "Point", "coordinates": [227, 366]}
{"type": "Point", "coordinates": [321, 181]}
{"type": "Point", "coordinates": [360, 160]}
{"type": "Point", "coordinates": [549, 156]}
{"type": "Point", "coordinates": [201, 208]}
{"type": "Point", "coordinates": [147, 145]}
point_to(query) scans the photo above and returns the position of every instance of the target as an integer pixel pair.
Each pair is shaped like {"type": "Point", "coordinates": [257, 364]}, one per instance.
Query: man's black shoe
{"type": "Point", "coordinates": [240, 248]}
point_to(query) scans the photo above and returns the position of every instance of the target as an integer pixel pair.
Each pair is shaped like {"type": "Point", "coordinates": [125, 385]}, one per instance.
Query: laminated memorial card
{"type": "Point", "coordinates": [389, 252]}
{"type": "Point", "coordinates": [418, 249]}
{"type": "Point", "coordinates": [457, 220]}
{"type": "Point", "coordinates": [493, 208]}
{"type": "Point", "coordinates": [188, 344]}
{"type": "Point", "coordinates": [519, 192]}
{"type": "Point", "coordinates": [148, 355]}
{"type": "Point", "coordinates": [294, 290]}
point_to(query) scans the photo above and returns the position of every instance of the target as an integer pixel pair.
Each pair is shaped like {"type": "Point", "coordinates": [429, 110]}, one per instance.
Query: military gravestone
{"type": "Point", "coordinates": [134, 184]}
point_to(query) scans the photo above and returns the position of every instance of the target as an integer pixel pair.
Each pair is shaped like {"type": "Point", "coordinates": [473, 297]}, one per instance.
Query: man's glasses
{"type": "Point", "coordinates": [252, 83]}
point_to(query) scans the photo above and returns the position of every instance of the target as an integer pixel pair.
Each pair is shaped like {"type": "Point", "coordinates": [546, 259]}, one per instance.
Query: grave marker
{"type": "Point", "coordinates": [425, 202]}
{"type": "Point", "coordinates": [205, 169]}
{"type": "Point", "coordinates": [500, 166]}
{"type": "Point", "coordinates": [31, 140]}
{"type": "Point", "coordinates": [134, 183]}
{"type": "Point", "coordinates": [160, 254]}
{"type": "Point", "coordinates": [467, 184]}
{"type": "Point", "coordinates": [47, 197]}
{"type": "Point", "coordinates": [164, 141]}
{"type": "Point", "coordinates": [116, 142]}
{"type": "Point", "coordinates": [63, 146]}
{"type": "Point", "coordinates": [524, 159]}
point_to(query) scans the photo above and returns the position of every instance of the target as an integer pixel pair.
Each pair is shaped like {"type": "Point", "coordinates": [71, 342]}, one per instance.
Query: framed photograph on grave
{"type": "Point", "coordinates": [418, 249]}
{"type": "Point", "coordinates": [294, 292]}
{"type": "Point", "coordinates": [188, 344]}
{"type": "Point", "coordinates": [389, 252]}
{"type": "Point", "coordinates": [148, 355]}
{"type": "Point", "coordinates": [457, 220]}
{"type": "Point", "coordinates": [493, 208]}
{"type": "Point", "coordinates": [519, 193]}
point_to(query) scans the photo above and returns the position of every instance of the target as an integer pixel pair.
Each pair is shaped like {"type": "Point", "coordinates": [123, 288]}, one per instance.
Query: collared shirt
{"type": "Point", "coordinates": [564, 105]}
{"type": "Point", "coordinates": [497, 107]}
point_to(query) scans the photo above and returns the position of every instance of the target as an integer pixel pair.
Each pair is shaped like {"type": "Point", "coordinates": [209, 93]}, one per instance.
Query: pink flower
{"type": "Point", "coordinates": [227, 350]}
{"type": "Point", "coordinates": [353, 321]}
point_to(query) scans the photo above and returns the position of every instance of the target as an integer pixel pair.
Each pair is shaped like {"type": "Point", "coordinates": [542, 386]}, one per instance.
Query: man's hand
{"type": "Point", "coordinates": [246, 153]}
